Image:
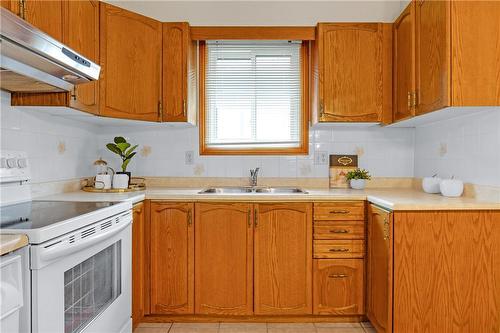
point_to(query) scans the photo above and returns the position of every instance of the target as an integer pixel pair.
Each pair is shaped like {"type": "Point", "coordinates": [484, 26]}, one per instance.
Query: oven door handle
{"type": "Point", "coordinates": [64, 248]}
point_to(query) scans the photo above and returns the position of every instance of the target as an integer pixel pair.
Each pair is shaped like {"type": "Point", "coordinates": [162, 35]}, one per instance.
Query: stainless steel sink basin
{"type": "Point", "coordinates": [253, 190]}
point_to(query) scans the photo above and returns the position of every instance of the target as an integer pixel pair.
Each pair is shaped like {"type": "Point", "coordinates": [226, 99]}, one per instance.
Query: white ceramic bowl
{"type": "Point", "coordinates": [451, 187]}
{"type": "Point", "coordinates": [431, 184]}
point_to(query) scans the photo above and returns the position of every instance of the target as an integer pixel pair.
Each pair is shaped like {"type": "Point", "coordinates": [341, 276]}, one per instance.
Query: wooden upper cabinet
{"type": "Point", "coordinates": [45, 15]}
{"type": "Point", "coordinates": [475, 53]}
{"type": "Point", "coordinates": [224, 259]}
{"type": "Point", "coordinates": [138, 263]}
{"type": "Point", "coordinates": [81, 33]}
{"type": "Point", "coordinates": [446, 54]}
{"type": "Point", "coordinates": [172, 258]}
{"type": "Point", "coordinates": [404, 64]}
{"type": "Point", "coordinates": [352, 73]}
{"type": "Point", "coordinates": [179, 74]}
{"type": "Point", "coordinates": [379, 266]}
{"type": "Point", "coordinates": [130, 53]}
{"type": "Point", "coordinates": [432, 31]}
{"type": "Point", "coordinates": [283, 259]}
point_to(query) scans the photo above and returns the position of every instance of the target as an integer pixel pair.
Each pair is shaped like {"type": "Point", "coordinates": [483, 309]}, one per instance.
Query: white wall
{"type": "Point", "coordinates": [58, 148]}
{"type": "Point", "coordinates": [467, 148]}
{"type": "Point", "coordinates": [385, 152]}
{"type": "Point", "coordinates": [266, 13]}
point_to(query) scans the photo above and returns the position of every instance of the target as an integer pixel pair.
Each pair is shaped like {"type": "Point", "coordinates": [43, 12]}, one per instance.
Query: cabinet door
{"type": "Point", "coordinates": [339, 287]}
{"type": "Point", "coordinates": [433, 38]}
{"type": "Point", "coordinates": [81, 33]}
{"type": "Point", "coordinates": [379, 299]}
{"type": "Point", "coordinates": [138, 263]}
{"type": "Point", "coordinates": [172, 254]}
{"type": "Point", "coordinates": [355, 76]}
{"type": "Point", "coordinates": [179, 73]}
{"type": "Point", "coordinates": [46, 16]}
{"type": "Point", "coordinates": [224, 259]}
{"type": "Point", "coordinates": [130, 81]}
{"type": "Point", "coordinates": [404, 64]}
{"type": "Point", "coordinates": [475, 53]}
{"type": "Point", "coordinates": [283, 259]}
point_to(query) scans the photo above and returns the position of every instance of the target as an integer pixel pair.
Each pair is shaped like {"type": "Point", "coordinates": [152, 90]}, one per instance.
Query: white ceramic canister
{"type": "Point", "coordinates": [451, 187]}
{"type": "Point", "coordinates": [358, 184]}
{"type": "Point", "coordinates": [103, 181]}
{"type": "Point", "coordinates": [120, 181]}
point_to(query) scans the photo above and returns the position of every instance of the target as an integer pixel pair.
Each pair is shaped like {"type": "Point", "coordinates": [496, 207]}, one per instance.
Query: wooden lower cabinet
{"type": "Point", "coordinates": [379, 269]}
{"type": "Point", "coordinates": [283, 259]}
{"type": "Point", "coordinates": [338, 286]}
{"type": "Point", "coordinates": [172, 254]}
{"type": "Point", "coordinates": [138, 263]}
{"type": "Point", "coordinates": [447, 271]}
{"type": "Point", "coordinates": [224, 259]}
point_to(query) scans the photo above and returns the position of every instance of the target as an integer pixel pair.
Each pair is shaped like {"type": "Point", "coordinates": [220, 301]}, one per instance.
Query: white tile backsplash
{"type": "Point", "coordinates": [386, 152]}
{"type": "Point", "coordinates": [467, 147]}
{"type": "Point", "coordinates": [58, 148]}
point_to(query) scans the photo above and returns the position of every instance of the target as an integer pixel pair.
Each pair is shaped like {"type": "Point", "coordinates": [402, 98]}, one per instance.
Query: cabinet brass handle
{"type": "Point", "coordinates": [249, 220]}
{"type": "Point", "coordinates": [343, 249]}
{"type": "Point", "coordinates": [189, 218]}
{"type": "Point", "coordinates": [386, 229]}
{"type": "Point", "coordinates": [338, 276]}
{"type": "Point", "coordinates": [342, 211]}
{"type": "Point", "coordinates": [409, 100]}
{"type": "Point", "coordinates": [184, 111]}
{"type": "Point", "coordinates": [321, 110]}
{"type": "Point", "coordinates": [339, 231]}
{"type": "Point", "coordinates": [256, 218]}
{"type": "Point", "coordinates": [73, 94]}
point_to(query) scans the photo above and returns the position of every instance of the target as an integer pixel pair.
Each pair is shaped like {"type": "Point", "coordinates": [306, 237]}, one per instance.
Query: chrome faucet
{"type": "Point", "coordinates": [254, 173]}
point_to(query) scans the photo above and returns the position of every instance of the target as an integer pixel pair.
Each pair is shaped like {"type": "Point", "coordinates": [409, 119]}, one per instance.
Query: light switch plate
{"type": "Point", "coordinates": [189, 157]}
{"type": "Point", "coordinates": [321, 158]}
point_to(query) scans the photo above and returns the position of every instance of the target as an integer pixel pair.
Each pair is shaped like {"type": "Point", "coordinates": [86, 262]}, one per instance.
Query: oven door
{"type": "Point", "coordinates": [81, 281]}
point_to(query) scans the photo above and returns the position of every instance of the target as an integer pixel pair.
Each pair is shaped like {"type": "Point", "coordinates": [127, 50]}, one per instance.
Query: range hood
{"type": "Point", "coordinates": [32, 61]}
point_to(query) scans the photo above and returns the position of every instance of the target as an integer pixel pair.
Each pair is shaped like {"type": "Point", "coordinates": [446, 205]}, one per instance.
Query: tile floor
{"type": "Point", "coordinates": [364, 327]}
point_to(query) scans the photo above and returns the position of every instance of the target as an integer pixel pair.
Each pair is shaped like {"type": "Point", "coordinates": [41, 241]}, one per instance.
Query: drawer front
{"type": "Point", "coordinates": [340, 211]}
{"type": "Point", "coordinates": [338, 287]}
{"type": "Point", "coordinates": [339, 249]}
{"type": "Point", "coordinates": [339, 231]}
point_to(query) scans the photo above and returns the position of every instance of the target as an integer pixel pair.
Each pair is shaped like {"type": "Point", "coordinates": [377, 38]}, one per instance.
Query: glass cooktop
{"type": "Point", "coordinates": [39, 214]}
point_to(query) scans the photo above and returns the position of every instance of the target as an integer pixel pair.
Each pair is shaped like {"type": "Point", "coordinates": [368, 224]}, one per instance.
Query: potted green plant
{"type": "Point", "coordinates": [125, 150]}
{"type": "Point", "coordinates": [357, 178]}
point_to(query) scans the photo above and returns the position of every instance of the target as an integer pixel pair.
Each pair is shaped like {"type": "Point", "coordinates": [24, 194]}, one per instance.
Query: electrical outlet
{"type": "Point", "coordinates": [321, 158]}
{"type": "Point", "coordinates": [189, 157]}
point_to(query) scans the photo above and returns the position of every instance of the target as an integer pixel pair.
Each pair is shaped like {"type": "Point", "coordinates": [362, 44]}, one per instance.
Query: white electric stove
{"type": "Point", "coordinates": [80, 255]}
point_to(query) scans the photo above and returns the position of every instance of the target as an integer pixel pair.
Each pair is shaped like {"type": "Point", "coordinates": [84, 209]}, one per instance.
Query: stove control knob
{"type": "Point", "coordinates": [11, 163]}
{"type": "Point", "coordinates": [22, 163]}
{"type": "Point", "coordinates": [3, 163]}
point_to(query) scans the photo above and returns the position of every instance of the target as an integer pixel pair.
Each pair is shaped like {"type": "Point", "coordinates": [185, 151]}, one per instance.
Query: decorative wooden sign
{"type": "Point", "coordinates": [340, 165]}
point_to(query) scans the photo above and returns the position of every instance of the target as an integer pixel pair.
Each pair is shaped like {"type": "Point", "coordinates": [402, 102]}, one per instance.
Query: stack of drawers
{"type": "Point", "coordinates": [339, 251]}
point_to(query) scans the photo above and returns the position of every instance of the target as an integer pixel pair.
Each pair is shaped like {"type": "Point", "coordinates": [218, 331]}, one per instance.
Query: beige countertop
{"type": "Point", "coordinates": [9, 243]}
{"type": "Point", "coordinates": [389, 198]}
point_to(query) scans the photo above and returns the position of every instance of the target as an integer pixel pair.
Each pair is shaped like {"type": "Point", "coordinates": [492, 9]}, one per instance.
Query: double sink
{"type": "Point", "coordinates": [253, 190]}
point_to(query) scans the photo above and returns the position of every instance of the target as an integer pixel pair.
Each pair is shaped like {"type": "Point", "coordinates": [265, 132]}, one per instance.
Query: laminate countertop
{"type": "Point", "coordinates": [388, 198]}
{"type": "Point", "coordinates": [9, 243]}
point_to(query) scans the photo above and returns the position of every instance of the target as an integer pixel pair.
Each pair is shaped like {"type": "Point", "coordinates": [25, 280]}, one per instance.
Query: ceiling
{"type": "Point", "coordinates": [265, 13]}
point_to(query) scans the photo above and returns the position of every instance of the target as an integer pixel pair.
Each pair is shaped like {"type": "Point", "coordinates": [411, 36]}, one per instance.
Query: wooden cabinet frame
{"type": "Point", "coordinates": [303, 149]}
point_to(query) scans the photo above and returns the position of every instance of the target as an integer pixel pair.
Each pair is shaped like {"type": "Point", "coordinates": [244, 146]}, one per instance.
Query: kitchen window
{"type": "Point", "coordinates": [253, 98]}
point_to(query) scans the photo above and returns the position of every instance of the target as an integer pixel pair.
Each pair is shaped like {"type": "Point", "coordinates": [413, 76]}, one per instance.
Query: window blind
{"type": "Point", "coordinates": [253, 94]}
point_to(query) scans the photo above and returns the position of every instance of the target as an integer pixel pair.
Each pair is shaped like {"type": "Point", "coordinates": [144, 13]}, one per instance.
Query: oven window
{"type": "Point", "coordinates": [90, 286]}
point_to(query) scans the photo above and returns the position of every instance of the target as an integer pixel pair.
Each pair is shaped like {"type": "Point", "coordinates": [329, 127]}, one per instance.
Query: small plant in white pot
{"type": "Point", "coordinates": [357, 178]}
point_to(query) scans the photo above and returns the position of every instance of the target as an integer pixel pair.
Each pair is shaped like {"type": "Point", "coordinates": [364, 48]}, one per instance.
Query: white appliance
{"type": "Point", "coordinates": [80, 256]}
{"type": "Point", "coordinates": [15, 292]}
{"type": "Point", "coordinates": [32, 61]}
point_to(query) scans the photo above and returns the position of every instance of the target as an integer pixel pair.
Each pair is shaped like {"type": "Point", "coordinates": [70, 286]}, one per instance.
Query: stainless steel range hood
{"type": "Point", "coordinates": [32, 61]}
